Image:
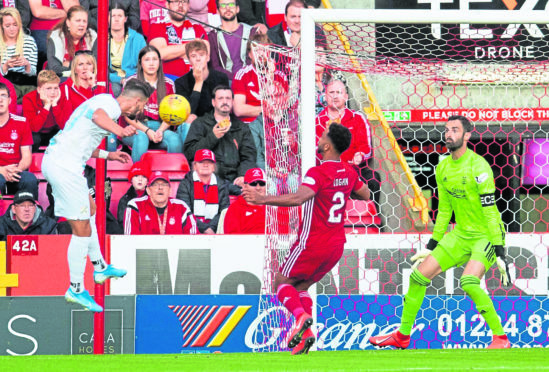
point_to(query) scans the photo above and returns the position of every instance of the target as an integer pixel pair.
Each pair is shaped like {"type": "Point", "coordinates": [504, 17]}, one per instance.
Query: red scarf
{"type": "Point", "coordinates": [205, 204]}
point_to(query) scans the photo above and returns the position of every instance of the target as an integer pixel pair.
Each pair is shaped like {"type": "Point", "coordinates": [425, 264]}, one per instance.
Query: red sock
{"type": "Point", "coordinates": [306, 302]}
{"type": "Point", "coordinates": [288, 296]}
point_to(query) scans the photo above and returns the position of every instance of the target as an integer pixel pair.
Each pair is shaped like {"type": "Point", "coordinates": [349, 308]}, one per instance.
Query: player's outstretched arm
{"type": "Point", "coordinates": [362, 194]}
{"type": "Point", "coordinates": [102, 120]}
{"type": "Point", "coordinates": [253, 196]}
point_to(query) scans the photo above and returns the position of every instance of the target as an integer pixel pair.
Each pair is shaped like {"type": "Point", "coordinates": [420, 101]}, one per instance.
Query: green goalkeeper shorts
{"type": "Point", "coordinates": [455, 249]}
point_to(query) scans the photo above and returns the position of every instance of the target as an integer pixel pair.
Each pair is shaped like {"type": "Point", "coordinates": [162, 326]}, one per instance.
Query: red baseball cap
{"type": "Point", "coordinates": [158, 175]}
{"type": "Point", "coordinates": [139, 169]}
{"type": "Point", "coordinates": [204, 154]}
{"type": "Point", "coordinates": [254, 174]}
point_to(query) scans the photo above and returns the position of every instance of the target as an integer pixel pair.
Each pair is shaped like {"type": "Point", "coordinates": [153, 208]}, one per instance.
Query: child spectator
{"type": "Point", "coordinates": [158, 214]}
{"type": "Point", "coordinates": [45, 109]}
{"type": "Point", "coordinates": [198, 84]}
{"type": "Point", "coordinates": [170, 38]}
{"type": "Point", "coordinates": [15, 154]}
{"type": "Point", "coordinates": [204, 192]}
{"type": "Point", "coordinates": [67, 38]}
{"type": "Point", "coordinates": [138, 177]}
{"type": "Point", "coordinates": [125, 45]}
{"type": "Point", "coordinates": [26, 217]}
{"type": "Point", "coordinates": [18, 53]}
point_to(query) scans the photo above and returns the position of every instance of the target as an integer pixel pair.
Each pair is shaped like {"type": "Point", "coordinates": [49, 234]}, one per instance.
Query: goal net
{"type": "Point", "coordinates": [406, 73]}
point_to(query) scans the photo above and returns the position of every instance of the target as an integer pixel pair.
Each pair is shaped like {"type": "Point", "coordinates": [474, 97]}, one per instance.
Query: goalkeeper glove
{"type": "Point", "coordinates": [424, 252]}
{"type": "Point", "coordinates": [503, 266]}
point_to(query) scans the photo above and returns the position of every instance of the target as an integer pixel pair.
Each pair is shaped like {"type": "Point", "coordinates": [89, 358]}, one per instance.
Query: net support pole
{"type": "Point", "coordinates": [308, 98]}
{"type": "Point", "coordinates": [102, 53]}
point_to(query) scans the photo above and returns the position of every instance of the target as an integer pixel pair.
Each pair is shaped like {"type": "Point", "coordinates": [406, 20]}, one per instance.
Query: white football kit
{"type": "Point", "coordinates": [68, 152]}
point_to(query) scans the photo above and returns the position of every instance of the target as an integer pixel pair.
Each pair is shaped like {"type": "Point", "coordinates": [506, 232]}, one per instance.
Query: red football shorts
{"type": "Point", "coordinates": [310, 263]}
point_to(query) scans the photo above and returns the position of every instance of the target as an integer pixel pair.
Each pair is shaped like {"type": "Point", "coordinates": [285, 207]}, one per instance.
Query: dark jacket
{"type": "Point", "coordinates": [185, 192]}
{"type": "Point", "coordinates": [132, 6]}
{"type": "Point", "coordinates": [201, 102]}
{"type": "Point", "coordinates": [40, 225]}
{"type": "Point", "coordinates": [235, 152]}
{"type": "Point", "coordinates": [276, 34]}
{"type": "Point", "coordinates": [123, 203]}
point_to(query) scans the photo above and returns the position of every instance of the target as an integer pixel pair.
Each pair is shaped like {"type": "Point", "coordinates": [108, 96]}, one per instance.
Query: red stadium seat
{"type": "Point", "coordinates": [36, 165]}
{"type": "Point", "coordinates": [5, 202]}
{"type": "Point", "coordinates": [176, 165]}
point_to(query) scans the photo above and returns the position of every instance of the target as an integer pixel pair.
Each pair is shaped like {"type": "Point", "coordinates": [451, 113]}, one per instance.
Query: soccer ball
{"type": "Point", "coordinates": [174, 109]}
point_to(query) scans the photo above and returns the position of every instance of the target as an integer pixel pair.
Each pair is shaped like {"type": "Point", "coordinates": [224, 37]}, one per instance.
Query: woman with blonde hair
{"type": "Point", "coordinates": [80, 86]}
{"type": "Point", "coordinates": [68, 37]}
{"type": "Point", "coordinates": [18, 52]}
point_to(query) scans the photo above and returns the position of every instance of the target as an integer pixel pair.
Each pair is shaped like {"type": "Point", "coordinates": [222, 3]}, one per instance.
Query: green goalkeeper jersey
{"type": "Point", "coordinates": [466, 187]}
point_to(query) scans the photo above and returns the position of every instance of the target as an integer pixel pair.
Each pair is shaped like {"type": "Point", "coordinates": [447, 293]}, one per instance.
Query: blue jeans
{"type": "Point", "coordinates": [27, 182]}
{"type": "Point", "coordinates": [140, 141]}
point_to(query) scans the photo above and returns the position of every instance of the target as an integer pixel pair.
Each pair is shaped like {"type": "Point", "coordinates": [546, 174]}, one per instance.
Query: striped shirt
{"type": "Point", "coordinates": [30, 52]}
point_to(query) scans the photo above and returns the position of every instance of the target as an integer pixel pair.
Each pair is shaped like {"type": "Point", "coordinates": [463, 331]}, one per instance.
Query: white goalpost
{"type": "Point", "coordinates": [407, 71]}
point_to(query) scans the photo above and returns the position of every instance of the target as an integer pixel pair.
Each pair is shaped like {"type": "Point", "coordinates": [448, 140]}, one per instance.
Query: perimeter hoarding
{"type": "Point", "coordinates": [48, 325]}
{"type": "Point", "coordinates": [228, 323]}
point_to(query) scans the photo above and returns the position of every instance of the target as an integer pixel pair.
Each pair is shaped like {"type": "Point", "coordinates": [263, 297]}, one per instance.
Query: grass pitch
{"type": "Point", "coordinates": [526, 360]}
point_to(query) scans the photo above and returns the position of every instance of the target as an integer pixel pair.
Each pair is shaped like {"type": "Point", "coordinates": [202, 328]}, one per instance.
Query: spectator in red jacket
{"type": "Point", "coordinates": [13, 94]}
{"type": "Point", "coordinates": [15, 150]}
{"type": "Point", "coordinates": [139, 178]}
{"type": "Point", "coordinates": [360, 151]}
{"type": "Point", "coordinates": [158, 214]}
{"type": "Point", "coordinates": [45, 109]}
{"type": "Point", "coordinates": [81, 84]}
{"type": "Point", "coordinates": [245, 218]}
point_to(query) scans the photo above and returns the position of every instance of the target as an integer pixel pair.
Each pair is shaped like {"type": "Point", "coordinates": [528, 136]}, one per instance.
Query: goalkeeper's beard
{"type": "Point", "coordinates": [454, 146]}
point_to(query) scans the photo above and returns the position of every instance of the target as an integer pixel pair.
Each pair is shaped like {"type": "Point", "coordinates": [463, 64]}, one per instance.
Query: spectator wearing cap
{"type": "Point", "coordinates": [245, 218]}
{"type": "Point", "coordinates": [158, 214]}
{"type": "Point", "coordinates": [25, 217]}
{"type": "Point", "coordinates": [138, 177]}
{"type": "Point", "coordinates": [15, 150]}
{"type": "Point", "coordinates": [202, 190]}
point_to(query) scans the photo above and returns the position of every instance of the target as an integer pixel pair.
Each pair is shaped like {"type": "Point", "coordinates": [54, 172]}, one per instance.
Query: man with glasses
{"type": "Point", "coordinates": [15, 150]}
{"type": "Point", "coordinates": [171, 38]}
{"type": "Point", "coordinates": [25, 217]}
{"type": "Point", "coordinates": [229, 52]}
{"type": "Point", "coordinates": [360, 152]}
{"type": "Point", "coordinates": [243, 217]}
{"type": "Point", "coordinates": [156, 213]}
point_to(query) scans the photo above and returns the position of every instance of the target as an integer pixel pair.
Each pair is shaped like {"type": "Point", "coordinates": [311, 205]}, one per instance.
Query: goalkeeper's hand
{"type": "Point", "coordinates": [503, 266]}
{"type": "Point", "coordinates": [423, 253]}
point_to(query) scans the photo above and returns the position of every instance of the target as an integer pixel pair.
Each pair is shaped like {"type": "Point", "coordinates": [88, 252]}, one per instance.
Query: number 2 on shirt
{"type": "Point", "coordinates": [336, 212]}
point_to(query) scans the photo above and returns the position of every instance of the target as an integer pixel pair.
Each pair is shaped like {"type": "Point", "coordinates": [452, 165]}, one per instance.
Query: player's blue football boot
{"type": "Point", "coordinates": [83, 298]}
{"type": "Point", "coordinates": [110, 272]}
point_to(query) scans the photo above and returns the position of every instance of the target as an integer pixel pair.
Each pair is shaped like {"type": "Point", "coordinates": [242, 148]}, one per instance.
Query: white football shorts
{"type": "Point", "coordinates": [70, 190]}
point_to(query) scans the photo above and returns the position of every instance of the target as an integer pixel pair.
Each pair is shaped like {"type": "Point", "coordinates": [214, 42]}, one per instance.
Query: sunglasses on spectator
{"type": "Point", "coordinates": [178, 2]}
{"type": "Point", "coordinates": [79, 52]}
{"type": "Point", "coordinates": [227, 5]}
{"type": "Point", "coordinates": [257, 183]}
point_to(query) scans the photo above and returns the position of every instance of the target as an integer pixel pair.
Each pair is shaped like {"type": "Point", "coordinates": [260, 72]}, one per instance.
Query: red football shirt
{"type": "Point", "coordinates": [177, 35]}
{"type": "Point", "coordinates": [246, 82]}
{"type": "Point", "coordinates": [14, 134]}
{"type": "Point", "coordinates": [323, 216]}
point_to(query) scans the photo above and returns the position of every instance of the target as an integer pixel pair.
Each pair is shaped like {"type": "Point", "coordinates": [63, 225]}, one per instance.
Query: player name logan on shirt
{"type": "Point", "coordinates": [341, 182]}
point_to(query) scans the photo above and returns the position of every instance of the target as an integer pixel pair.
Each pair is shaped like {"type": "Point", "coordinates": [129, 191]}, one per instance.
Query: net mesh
{"type": "Point", "coordinates": [407, 80]}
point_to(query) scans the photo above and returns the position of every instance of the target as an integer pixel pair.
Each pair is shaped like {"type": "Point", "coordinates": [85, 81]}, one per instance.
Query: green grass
{"type": "Point", "coordinates": [526, 360]}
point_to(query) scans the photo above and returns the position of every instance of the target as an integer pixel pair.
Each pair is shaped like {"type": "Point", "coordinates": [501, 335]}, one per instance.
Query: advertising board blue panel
{"type": "Point", "coordinates": [229, 323]}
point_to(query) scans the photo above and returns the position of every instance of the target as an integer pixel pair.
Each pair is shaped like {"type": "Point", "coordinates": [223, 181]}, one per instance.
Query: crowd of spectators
{"type": "Point", "coordinates": [48, 65]}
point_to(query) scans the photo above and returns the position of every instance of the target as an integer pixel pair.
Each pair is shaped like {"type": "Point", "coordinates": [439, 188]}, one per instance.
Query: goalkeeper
{"type": "Point", "coordinates": [466, 187]}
